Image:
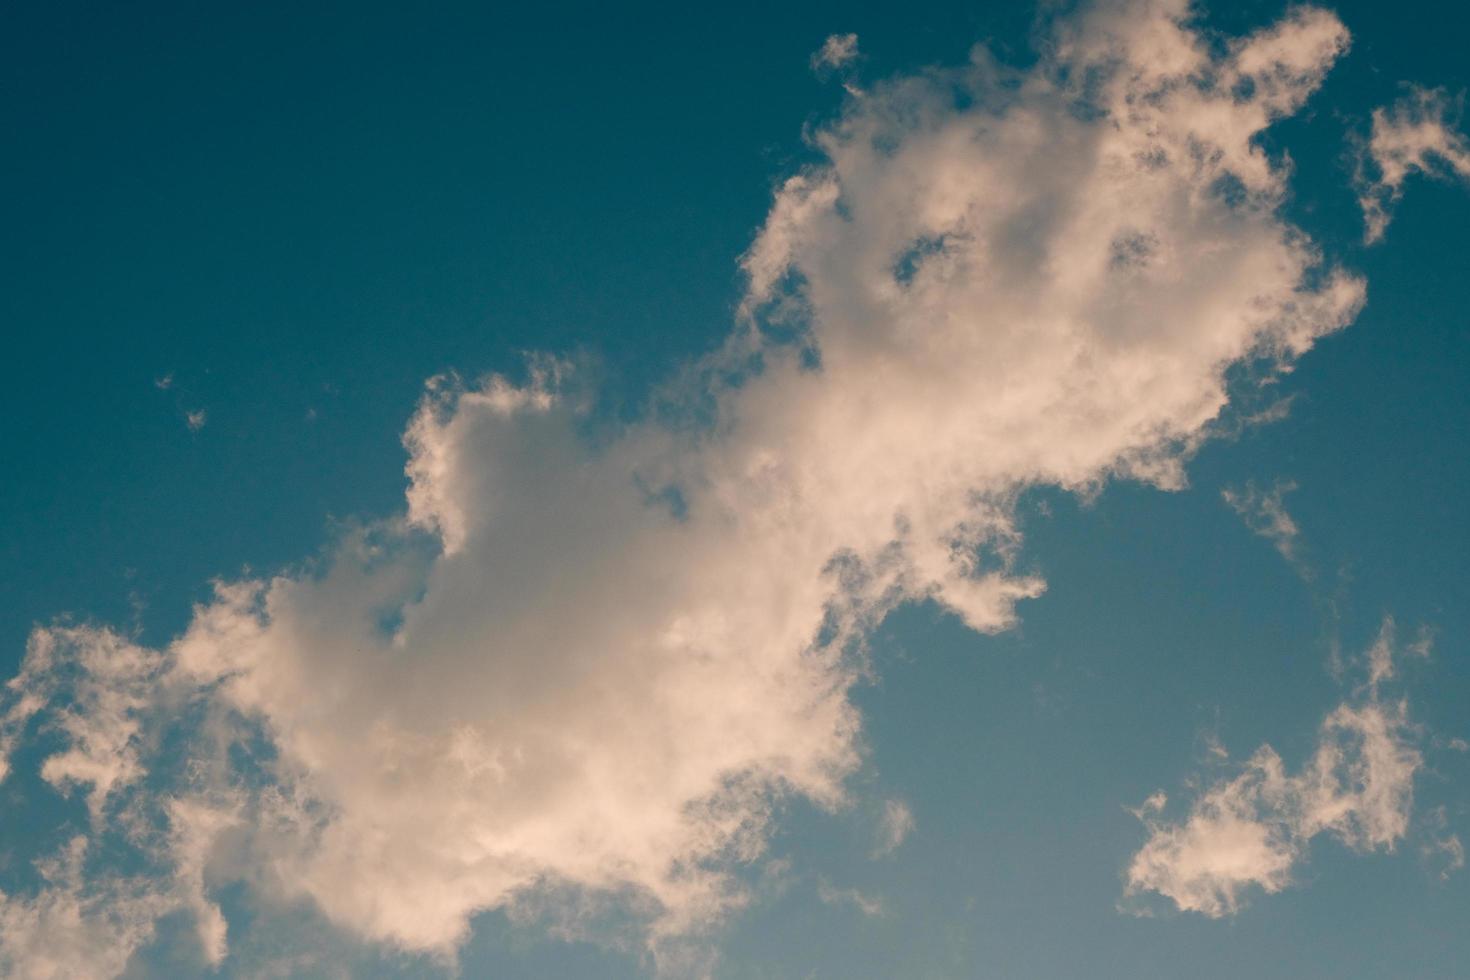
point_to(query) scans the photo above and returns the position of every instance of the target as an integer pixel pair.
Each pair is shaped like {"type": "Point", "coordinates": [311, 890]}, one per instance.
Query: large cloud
{"type": "Point", "coordinates": [595, 660]}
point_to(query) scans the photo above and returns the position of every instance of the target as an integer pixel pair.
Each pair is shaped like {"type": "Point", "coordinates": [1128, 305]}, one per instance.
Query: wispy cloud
{"type": "Point", "coordinates": [868, 905]}
{"type": "Point", "coordinates": [1264, 512]}
{"type": "Point", "coordinates": [80, 922]}
{"type": "Point", "coordinates": [838, 50]}
{"type": "Point", "coordinates": [1417, 134]}
{"type": "Point", "coordinates": [1443, 850]}
{"type": "Point", "coordinates": [894, 828]}
{"type": "Point", "coordinates": [1251, 830]}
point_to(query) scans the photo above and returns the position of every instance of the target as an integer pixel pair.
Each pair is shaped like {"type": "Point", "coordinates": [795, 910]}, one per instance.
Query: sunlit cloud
{"type": "Point", "coordinates": [1415, 135]}
{"type": "Point", "coordinates": [1251, 830]}
{"type": "Point", "coordinates": [596, 667]}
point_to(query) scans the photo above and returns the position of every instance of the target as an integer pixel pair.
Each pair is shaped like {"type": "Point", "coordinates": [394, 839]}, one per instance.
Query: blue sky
{"type": "Point", "coordinates": [820, 446]}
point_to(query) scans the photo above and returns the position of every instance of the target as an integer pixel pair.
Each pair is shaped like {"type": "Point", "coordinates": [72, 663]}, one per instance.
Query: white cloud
{"type": "Point", "coordinates": [195, 420]}
{"type": "Point", "coordinates": [101, 684]}
{"type": "Point", "coordinates": [545, 675]}
{"type": "Point", "coordinates": [1380, 654]}
{"type": "Point", "coordinates": [194, 826]}
{"type": "Point", "coordinates": [1253, 829]}
{"type": "Point", "coordinates": [1452, 854]}
{"type": "Point", "coordinates": [1442, 849]}
{"type": "Point", "coordinates": [1414, 135]}
{"type": "Point", "coordinates": [75, 926]}
{"type": "Point", "coordinates": [1264, 512]}
{"type": "Point", "coordinates": [897, 823]}
{"type": "Point", "coordinates": [836, 51]}
{"type": "Point", "coordinates": [1383, 657]}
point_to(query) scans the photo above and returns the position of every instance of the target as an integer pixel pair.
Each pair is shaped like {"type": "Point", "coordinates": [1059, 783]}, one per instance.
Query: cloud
{"type": "Point", "coordinates": [898, 822]}
{"type": "Point", "coordinates": [1383, 657]}
{"type": "Point", "coordinates": [1264, 512]}
{"type": "Point", "coordinates": [1252, 830]}
{"type": "Point", "coordinates": [832, 895]}
{"type": "Point", "coordinates": [82, 928]}
{"type": "Point", "coordinates": [195, 419]}
{"type": "Point", "coordinates": [838, 50]}
{"type": "Point", "coordinates": [100, 685]}
{"type": "Point", "coordinates": [1414, 135]}
{"type": "Point", "coordinates": [1442, 850]}
{"type": "Point", "coordinates": [1452, 854]}
{"type": "Point", "coordinates": [592, 662]}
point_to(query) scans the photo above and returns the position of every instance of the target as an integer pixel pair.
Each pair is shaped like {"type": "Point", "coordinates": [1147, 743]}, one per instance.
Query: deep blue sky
{"type": "Point", "coordinates": [299, 215]}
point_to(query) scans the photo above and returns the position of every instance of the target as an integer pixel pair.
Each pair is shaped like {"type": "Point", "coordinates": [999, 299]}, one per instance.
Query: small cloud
{"type": "Point", "coordinates": [776, 876]}
{"type": "Point", "coordinates": [1381, 666]}
{"type": "Point", "coordinates": [1264, 512]}
{"type": "Point", "coordinates": [897, 824]}
{"type": "Point", "coordinates": [195, 420]}
{"type": "Point", "coordinates": [1251, 830]}
{"type": "Point", "coordinates": [838, 50]}
{"type": "Point", "coordinates": [1214, 748]}
{"type": "Point", "coordinates": [1452, 851]}
{"type": "Point", "coordinates": [1274, 412]}
{"type": "Point", "coordinates": [1414, 135]}
{"type": "Point", "coordinates": [1444, 850]}
{"type": "Point", "coordinates": [1423, 644]}
{"type": "Point", "coordinates": [1154, 804]}
{"type": "Point", "coordinates": [164, 383]}
{"type": "Point", "coordinates": [1380, 654]}
{"type": "Point", "coordinates": [868, 905]}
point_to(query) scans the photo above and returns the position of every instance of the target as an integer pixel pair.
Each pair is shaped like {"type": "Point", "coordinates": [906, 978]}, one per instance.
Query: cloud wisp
{"type": "Point", "coordinates": [598, 662]}
{"type": "Point", "coordinates": [894, 828]}
{"type": "Point", "coordinates": [838, 51]}
{"type": "Point", "coordinates": [1265, 513]}
{"type": "Point", "coordinates": [1417, 134]}
{"type": "Point", "coordinates": [829, 894]}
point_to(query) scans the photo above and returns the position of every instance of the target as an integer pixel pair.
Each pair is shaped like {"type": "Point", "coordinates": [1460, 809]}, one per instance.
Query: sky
{"type": "Point", "coordinates": [952, 490]}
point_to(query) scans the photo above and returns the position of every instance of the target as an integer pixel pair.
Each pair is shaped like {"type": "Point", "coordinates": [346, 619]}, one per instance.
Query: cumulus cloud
{"type": "Point", "coordinates": [1417, 134]}
{"type": "Point", "coordinates": [1251, 830]}
{"type": "Point", "coordinates": [591, 662]}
